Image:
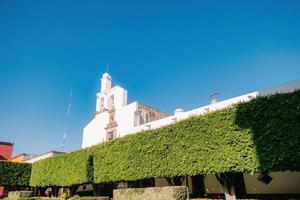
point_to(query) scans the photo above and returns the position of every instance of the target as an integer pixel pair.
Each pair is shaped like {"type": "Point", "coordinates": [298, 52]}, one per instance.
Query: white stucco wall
{"type": "Point", "coordinates": [120, 98]}
{"type": "Point", "coordinates": [94, 132]}
{"type": "Point", "coordinates": [212, 185]}
{"type": "Point", "coordinates": [125, 118]}
{"type": "Point", "coordinates": [195, 112]}
{"type": "Point", "coordinates": [282, 183]}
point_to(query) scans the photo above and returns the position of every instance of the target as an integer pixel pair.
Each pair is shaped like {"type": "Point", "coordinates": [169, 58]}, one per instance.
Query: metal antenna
{"type": "Point", "coordinates": [214, 97]}
{"type": "Point", "coordinates": [67, 121]}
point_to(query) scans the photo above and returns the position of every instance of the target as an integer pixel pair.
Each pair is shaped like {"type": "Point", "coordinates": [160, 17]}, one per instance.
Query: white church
{"type": "Point", "coordinates": [114, 117]}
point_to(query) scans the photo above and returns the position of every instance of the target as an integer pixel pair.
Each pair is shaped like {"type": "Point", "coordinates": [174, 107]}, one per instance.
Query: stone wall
{"type": "Point", "coordinates": [152, 193]}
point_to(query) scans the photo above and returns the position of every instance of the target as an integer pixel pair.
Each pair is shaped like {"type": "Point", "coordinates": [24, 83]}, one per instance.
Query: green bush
{"type": "Point", "coordinates": [170, 193]}
{"type": "Point", "coordinates": [62, 170]}
{"type": "Point", "coordinates": [77, 197]}
{"type": "Point", "coordinates": [14, 174]}
{"type": "Point", "coordinates": [19, 194]}
{"type": "Point", "coordinates": [35, 198]}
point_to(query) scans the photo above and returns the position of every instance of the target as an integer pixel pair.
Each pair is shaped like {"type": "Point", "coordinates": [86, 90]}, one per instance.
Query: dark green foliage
{"type": "Point", "coordinates": [90, 168]}
{"type": "Point", "coordinates": [62, 170]}
{"type": "Point", "coordinates": [14, 174]}
{"type": "Point", "coordinates": [274, 122]}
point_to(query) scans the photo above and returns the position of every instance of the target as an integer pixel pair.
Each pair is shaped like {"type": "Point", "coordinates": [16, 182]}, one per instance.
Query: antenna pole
{"type": "Point", "coordinates": [214, 97]}
{"type": "Point", "coordinates": [67, 121]}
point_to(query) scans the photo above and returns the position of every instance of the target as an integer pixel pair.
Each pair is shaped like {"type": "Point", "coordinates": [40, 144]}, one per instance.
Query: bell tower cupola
{"type": "Point", "coordinates": [106, 82]}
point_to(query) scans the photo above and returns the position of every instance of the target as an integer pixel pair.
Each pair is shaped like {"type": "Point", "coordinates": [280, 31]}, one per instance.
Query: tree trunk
{"type": "Point", "coordinates": [55, 191]}
{"type": "Point", "coordinates": [97, 189]}
{"type": "Point", "coordinates": [73, 190]}
{"type": "Point", "coordinates": [175, 181]}
{"type": "Point", "coordinates": [227, 180]}
{"type": "Point", "coordinates": [230, 195]}
{"type": "Point", "coordinates": [198, 187]}
{"type": "Point", "coordinates": [39, 191]}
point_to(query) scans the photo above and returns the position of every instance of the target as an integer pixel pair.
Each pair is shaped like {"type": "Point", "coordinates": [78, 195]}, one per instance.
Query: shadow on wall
{"type": "Point", "coordinates": [274, 122]}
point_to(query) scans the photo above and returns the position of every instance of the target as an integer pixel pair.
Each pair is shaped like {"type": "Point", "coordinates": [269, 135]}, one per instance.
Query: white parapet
{"type": "Point", "coordinates": [199, 111]}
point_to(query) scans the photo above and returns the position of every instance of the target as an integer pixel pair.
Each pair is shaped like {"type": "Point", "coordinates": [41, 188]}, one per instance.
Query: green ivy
{"type": "Point", "coordinates": [14, 174]}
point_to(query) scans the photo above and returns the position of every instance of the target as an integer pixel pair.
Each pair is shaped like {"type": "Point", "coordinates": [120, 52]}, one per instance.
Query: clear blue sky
{"type": "Point", "coordinates": [167, 54]}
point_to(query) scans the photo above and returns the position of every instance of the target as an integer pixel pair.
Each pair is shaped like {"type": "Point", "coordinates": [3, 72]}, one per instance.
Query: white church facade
{"type": "Point", "coordinates": [114, 117]}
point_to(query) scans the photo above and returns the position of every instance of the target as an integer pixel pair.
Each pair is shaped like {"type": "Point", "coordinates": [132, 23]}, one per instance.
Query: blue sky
{"type": "Point", "coordinates": [167, 54]}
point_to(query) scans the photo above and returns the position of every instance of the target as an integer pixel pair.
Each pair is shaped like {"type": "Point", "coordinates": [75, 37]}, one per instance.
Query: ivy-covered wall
{"type": "Point", "coordinates": [14, 174]}
{"type": "Point", "coordinates": [62, 170]}
{"type": "Point", "coordinates": [260, 135]}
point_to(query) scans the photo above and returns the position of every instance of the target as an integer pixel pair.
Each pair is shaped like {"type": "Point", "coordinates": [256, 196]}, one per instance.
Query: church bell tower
{"type": "Point", "coordinates": [106, 82]}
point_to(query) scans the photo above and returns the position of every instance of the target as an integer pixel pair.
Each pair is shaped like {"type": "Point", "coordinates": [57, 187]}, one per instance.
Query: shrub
{"type": "Point", "coordinates": [19, 194]}
{"type": "Point", "coordinates": [63, 195]}
{"type": "Point", "coordinates": [14, 174]}
{"type": "Point", "coordinates": [77, 197]}
{"type": "Point", "coordinates": [35, 198]}
{"type": "Point", "coordinates": [150, 193]}
{"type": "Point", "coordinates": [62, 170]}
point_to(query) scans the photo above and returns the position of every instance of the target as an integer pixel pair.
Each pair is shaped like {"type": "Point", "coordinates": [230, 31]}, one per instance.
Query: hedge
{"type": "Point", "coordinates": [274, 123]}
{"type": "Point", "coordinates": [257, 136]}
{"type": "Point", "coordinates": [14, 195]}
{"type": "Point", "coordinates": [149, 193]}
{"type": "Point", "coordinates": [62, 170]}
{"type": "Point", "coordinates": [212, 143]}
{"type": "Point", "coordinates": [260, 135]}
{"type": "Point", "coordinates": [14, 174]}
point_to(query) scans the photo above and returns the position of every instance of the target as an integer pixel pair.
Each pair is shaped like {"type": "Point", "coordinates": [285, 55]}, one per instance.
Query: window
{"type": "Point", "coordinates": [265, 178]}
{"type": "Point", "coordinates": [110, 135]}
{"type": "Point", "coordinates": [147, 117]}
{"type": "Point", "coordinates": [101, 103]}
